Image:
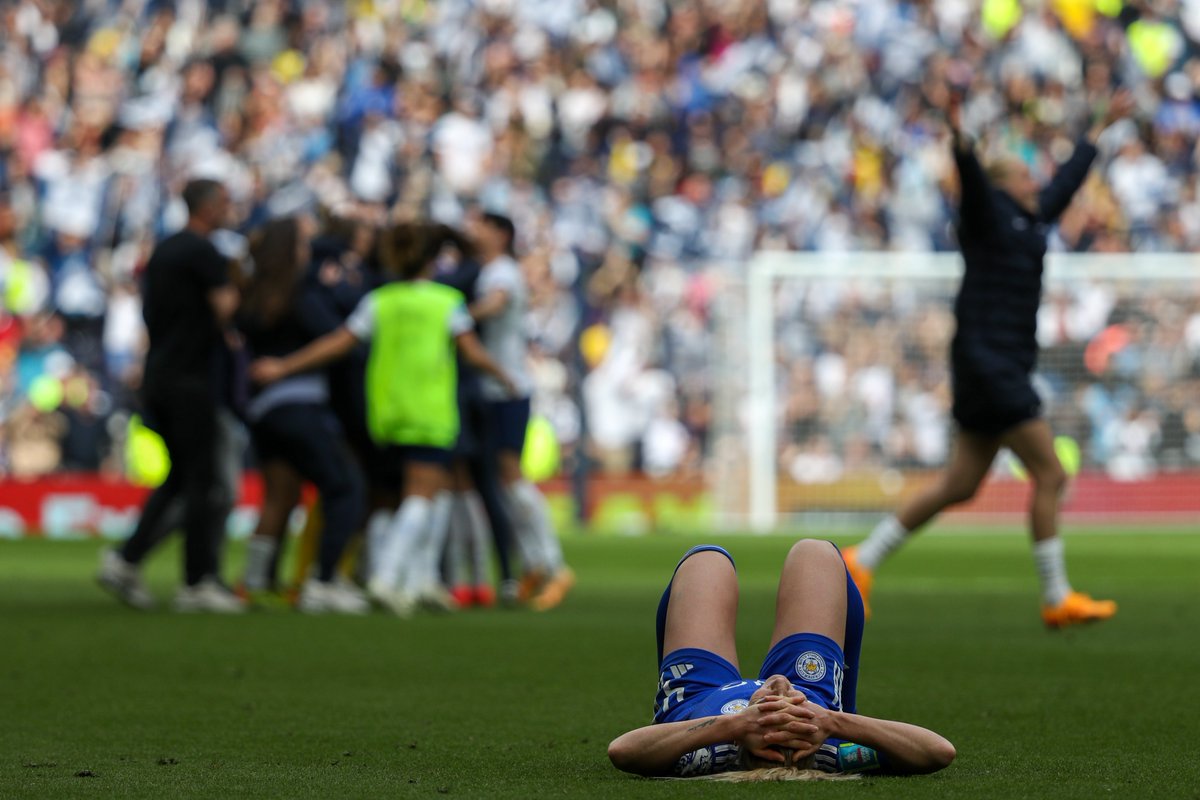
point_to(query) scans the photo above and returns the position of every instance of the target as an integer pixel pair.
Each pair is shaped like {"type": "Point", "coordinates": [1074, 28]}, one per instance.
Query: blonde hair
{"type": "Point", "coordinates": [752, 769]}
{"type": "Point", "coordinates": [1001, 166]}
{"type": "Point", "coordinates": [775, 775]}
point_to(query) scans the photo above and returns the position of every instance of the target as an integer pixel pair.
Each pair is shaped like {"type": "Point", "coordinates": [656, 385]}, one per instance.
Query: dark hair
{"type": "Point", "coordinates": [199, 192]}
{"type": "Point", "coordinates": [505, 225]}
{"type": "Point", "coordinates": [277, 272]}
{"type": "Point", "coordinates": [407, 248]}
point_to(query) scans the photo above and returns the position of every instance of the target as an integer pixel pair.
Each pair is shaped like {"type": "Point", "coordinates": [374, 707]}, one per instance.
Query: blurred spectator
{"type": "Point", "coordinates": [644, 149]}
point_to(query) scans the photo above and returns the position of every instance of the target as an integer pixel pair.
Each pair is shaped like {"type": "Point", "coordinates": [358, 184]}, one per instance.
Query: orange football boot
{"type": "Point", "coordinates": [863, 577]}
{"type": "Point", "coordinates": [1077, 608]}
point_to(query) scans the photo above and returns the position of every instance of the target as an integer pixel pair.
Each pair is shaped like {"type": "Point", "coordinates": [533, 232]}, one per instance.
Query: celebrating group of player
{"type": "Point", "coordinates": [353, 358]}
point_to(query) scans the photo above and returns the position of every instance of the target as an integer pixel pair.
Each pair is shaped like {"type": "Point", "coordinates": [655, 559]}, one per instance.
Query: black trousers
{"type": "Point", "coordinates": [479, 445]}
{"type": "Point", "coordinates": [183, 413]}
{"type": "Point", "coordinates": [309, 438]}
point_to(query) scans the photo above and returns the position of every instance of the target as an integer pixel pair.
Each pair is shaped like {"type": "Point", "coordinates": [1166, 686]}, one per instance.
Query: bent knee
{"type": "Point", "coordinates": [1053, 479]}
{"type": "Point", "coordinates": [710, 568]}
{"type": "Point", "coordinates": [708, 557]}
{"type": "Point", "coordinates": [815, 549]}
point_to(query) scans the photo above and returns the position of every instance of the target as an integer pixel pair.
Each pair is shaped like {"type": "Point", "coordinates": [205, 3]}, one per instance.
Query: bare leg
{"type": "Point", "coordinates": [281, 492]}
{"type": "Point", "coordinates": [812, 592]}
{"type": "Point", "coordinates": [969, 465]}
{"type": "Point", "coordinates": [425, 480]}
{"type": "Point", "coordinates": [1033, 443]}
{"type": "Point", "coordinates": [410, 526]}
{"type": "Point", "coordinates": [702, 610]}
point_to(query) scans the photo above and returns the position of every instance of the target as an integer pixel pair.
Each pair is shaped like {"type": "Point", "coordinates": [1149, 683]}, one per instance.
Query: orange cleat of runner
{"type": "Point", "coordinates": [863, 577]}
{"type": "Point", "coordinates": [555, 590]}
{"type": "Point", "coordinates": [1077, 608]}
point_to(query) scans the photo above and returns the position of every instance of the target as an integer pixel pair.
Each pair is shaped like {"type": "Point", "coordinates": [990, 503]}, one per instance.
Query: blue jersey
{"type": "Point", "coordinates": [690, 687]}
{"type": "Point", "coordinates": [695, 683]}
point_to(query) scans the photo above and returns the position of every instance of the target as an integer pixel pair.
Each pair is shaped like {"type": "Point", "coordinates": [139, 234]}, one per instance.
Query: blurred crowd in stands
{"type": "Point", "coordinates": [866, 386]}
{"type": "Point", "coordinates": [644, 148]}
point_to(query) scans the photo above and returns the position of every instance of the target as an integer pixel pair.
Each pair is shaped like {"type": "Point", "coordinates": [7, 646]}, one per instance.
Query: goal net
{"type": "Point", "coordinates": [833, 388]}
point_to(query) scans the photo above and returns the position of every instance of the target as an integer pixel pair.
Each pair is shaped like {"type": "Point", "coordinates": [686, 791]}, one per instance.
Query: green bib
{"type": "Point", "coordinates": [412, 377]}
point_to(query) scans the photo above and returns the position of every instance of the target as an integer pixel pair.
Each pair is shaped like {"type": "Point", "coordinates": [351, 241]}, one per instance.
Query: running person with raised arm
{"type": "Point", "coordinates": [503, 298]}
{"type": "Point", "coordinates": [1004, 219]}
{"type": "Point", "coordinates": [797, 720]}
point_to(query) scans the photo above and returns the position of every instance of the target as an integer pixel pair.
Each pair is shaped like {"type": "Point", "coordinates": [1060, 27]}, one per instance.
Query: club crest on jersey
{"type": "Point", "coordinates": [810, 666]}
{"type": "Point", "coordinates": [735, 706]}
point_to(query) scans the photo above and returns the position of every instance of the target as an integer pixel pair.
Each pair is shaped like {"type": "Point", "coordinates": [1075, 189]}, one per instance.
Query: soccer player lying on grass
{"type": "Point", "coordinates": [798, 720]}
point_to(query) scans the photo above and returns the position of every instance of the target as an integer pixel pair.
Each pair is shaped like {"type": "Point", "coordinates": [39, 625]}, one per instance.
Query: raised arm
{"type": "Point", "coordinates": [1056, 196]}
{"type": "Point", "coordinates": [655, 749]}
{"type": "Point", "coordinates": [975, 193]}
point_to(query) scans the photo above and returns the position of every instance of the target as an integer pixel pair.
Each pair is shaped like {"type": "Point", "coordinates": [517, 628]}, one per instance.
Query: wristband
{"type": "Point", "coordinates": [853, 757]}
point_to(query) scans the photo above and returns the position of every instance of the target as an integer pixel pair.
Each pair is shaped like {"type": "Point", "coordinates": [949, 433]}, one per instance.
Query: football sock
{"type": "Point", "coordinates": [1052, 570]}
{"type": "Point", "coordinates": [457, 544]}
{"type": "Point", "coordinates": [888, 535]}
{"type": "Point", "coordinates": [260, 552]}
{"type": "Point", "coordinates": [377, 528]}
{"type": "Point", "coordinates": [429, 555]}
{"type": "Point", "coordinates": [406, 530]}
{"type": "Point", "coordinates": [544, 551]}
{"type": "Point", "coordinates": [479, 538]}
{"type": "Point", "coordinates": [523, 536]}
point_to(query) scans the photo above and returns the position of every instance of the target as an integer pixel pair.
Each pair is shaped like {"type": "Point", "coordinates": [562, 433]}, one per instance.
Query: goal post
{"type": "Point", "coordinates": [832, 391]}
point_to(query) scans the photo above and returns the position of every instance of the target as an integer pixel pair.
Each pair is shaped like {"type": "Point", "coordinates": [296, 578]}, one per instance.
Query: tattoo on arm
{"type": "Point", "coordinates": [704, 724]}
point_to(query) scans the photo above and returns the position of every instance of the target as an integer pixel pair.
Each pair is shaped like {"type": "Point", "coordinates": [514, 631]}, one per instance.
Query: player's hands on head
{"type": "Point", "coordinates": [266, 370]}
{"type": "Point", "coordinates": [777, 722]}
{"type": "Point", "coordinates": [813, 724]}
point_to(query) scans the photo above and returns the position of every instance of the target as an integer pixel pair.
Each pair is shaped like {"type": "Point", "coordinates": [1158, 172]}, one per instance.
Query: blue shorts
{"type": "Point", "coordinates": [399, 455]}
{"type": "Point", "coordinates": [695, 683]}
{"type": "Point", "coordinates": [508, 420]}
{"type": "Point", "coordinates": [698, 683]}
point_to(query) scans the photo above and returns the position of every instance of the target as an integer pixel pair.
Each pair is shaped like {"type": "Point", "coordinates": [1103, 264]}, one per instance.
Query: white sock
{"type": "Point", "coordinates": [1052, 570]}
{"type": "Point", "coordinates": [427, 559]}
{"type": "Point", "coordinates": [522, 532]}
{"type": "Point", "coordinates": [888, 535]}
{"type": "Point", "coordinates": [457, 544]}
{"type": "Point", "coordinates": [479, 531]}
{"type": "Point", "coordinates": [407, 528]}
{"type": "Point", "coordinates": [376, 535]}
{"type": "Point", "coordinates": [543, 544]}
{"type": "Point", "coordinates": [260, 553]}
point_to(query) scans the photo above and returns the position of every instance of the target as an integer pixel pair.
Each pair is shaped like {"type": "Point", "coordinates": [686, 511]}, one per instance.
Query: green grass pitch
{"type": "Point", "coordinates": [99, 701]}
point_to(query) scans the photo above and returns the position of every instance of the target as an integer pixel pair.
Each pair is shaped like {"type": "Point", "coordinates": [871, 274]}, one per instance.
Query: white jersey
{"type": "Point", "coordinates": [504, 334]}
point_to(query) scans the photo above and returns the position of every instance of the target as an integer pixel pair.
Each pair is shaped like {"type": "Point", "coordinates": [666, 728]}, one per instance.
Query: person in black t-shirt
{"type": "Point", "coordinates": [1004, 220]}
{"type": "Point", "coordinates": [188, 305]}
